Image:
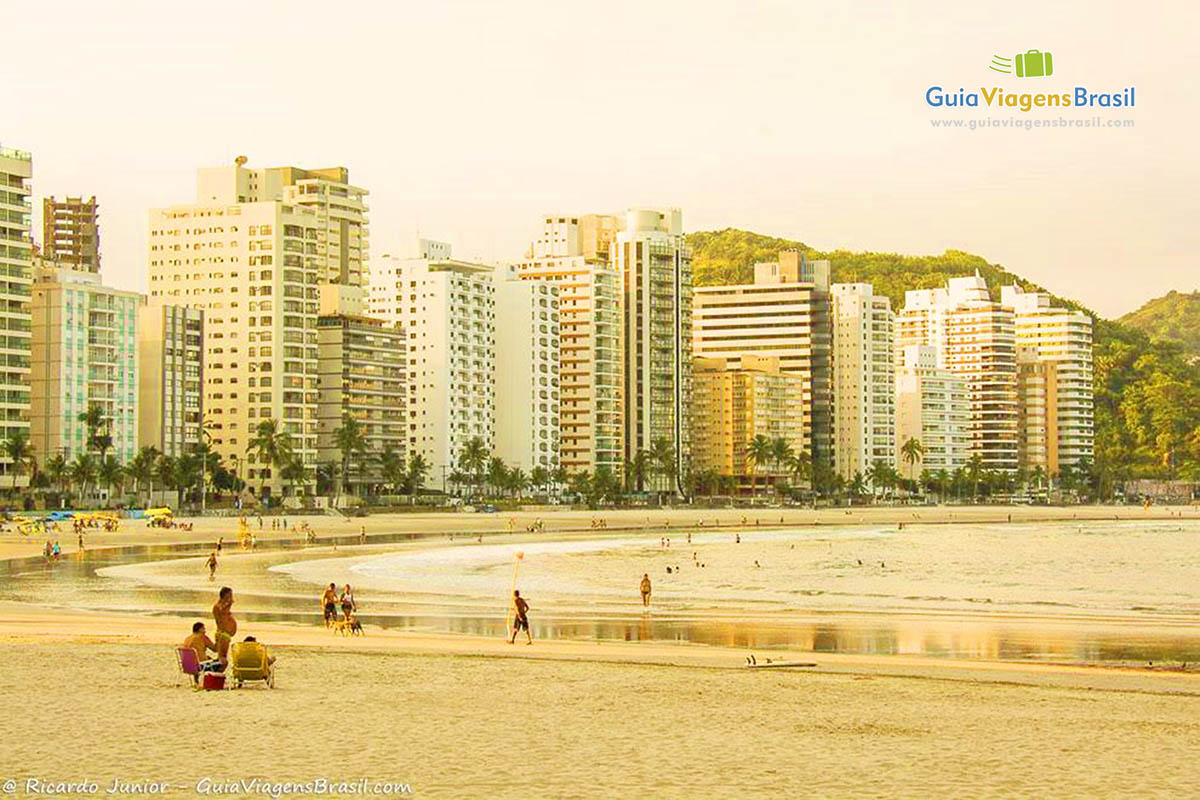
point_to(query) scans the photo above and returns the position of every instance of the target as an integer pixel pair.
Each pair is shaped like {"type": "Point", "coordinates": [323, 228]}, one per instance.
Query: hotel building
{"type": "Point", "coordinates": [447, 309]}
{"type": "Point", "coordinates": [931, 407]}
{"type": "Point", "coordinates": [734, 403]}
{"type": "Point", "coordinates": [864, 415]}
{"type": "Point", "coordinates": [16, 282]}
{"type": "Point", "coordinates": [784, 314]}
{"type": "Point", "coordinates": [1054, 348]}
{"type": "Point", "coordinates": [974, 338]}
{"type": "Point", "coordinates": [170, 378]}
{"type": "Point", "coordinates": [656, 270]}
{"type": "Point", "coordinates": [253, 263]}
{"type": "Point", "coordinates": [527, 374]}
{"type": "Point", "coordinates": [71, 233]}
{"type": "Point", "coordinates": [572, 253]}
{"type": "Point", "coordinates": [83, 354]}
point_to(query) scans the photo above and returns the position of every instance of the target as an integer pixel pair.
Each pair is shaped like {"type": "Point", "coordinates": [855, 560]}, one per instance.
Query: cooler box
{"type": "Point", "coordinates": [212, 680]}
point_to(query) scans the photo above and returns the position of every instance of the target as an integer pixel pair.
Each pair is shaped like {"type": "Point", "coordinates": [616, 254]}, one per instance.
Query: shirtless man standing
{"type": "Point", "coordinates": [645, 587]}
{"type": "Point", "coordinates": [520, 617]}
{"type": "Point", "coordinates": [226, 624]}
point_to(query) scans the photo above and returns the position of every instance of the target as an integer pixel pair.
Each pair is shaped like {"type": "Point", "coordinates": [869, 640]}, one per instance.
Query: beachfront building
{"type": "Point", "coordinates": [734, 402]}
{"type": "Point", "coordinates": [339, 209]}
{"type": "Point", "coordinates": [974, 338]}
{"type": "Point", "coordinates": [170, 378]}
{"type": "Point", "coordinates": [447, 309]}
{"type": "Point", "coordinates": [254, 267]}
{"type": "Point", "coordinates": [527, 374]}
{"type": "Point", "coordinates": [71, 233]}
{"type": "Point", "coordinates": [573, 253]}
{"type": "Point", "coordinates": [83, 354]}
{"type": "Point", "coordinates": [864, 415]}
{"type": "Point", "coordinates": [1054, 348]}
{"type": "Point", "coordinates": [784, 314]}
{"type": "Point", "coordinates": [16, 282]}
{"type": "Point", "coordinates": [656, 270]}
{"type": "Point", "coordinates": [361, 373]}
{"type": "Point", "coordinates": [932, 408]}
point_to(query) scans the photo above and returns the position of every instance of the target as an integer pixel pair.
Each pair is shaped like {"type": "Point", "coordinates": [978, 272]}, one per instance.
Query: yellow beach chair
{"type": "Point", "coordinates": [248, 661]}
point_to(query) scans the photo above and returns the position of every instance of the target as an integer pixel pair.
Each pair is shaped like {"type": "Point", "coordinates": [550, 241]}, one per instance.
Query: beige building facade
{"type": "Point", "coordinates": [932, 408]}
{"type": "Point", "coordinates": [170, 378]}
{"type": "Point", "coordinates": [16, 286]}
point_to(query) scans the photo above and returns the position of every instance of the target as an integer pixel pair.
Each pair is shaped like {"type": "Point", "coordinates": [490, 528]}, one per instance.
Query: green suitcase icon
{"type": "Point", "coordinates": [1034, 64]}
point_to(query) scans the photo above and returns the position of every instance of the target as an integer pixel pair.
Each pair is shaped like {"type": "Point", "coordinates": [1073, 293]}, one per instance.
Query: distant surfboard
{"type": "Point", "coordinates": [769, 664]}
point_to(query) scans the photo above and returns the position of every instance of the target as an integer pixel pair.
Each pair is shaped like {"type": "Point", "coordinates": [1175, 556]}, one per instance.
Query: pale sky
{"type": "Point", "coordinates": [468, 120]}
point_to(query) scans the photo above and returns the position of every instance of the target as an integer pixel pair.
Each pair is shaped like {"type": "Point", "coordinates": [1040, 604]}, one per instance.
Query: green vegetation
{"type": "Point", "coordinates": [1173, 318]}
{"type": "Point", "coordinates": [1147, 386]}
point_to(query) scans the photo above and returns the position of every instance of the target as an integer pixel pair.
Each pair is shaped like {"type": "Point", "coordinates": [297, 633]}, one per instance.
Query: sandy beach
{"type": "Point", "coordinates": [456, 715]}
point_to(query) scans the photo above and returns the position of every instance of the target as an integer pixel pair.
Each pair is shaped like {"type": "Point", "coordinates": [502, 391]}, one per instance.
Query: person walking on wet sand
{"type": "Point", "coordinates": [212, 566]}
{"type": "Point", "coordinates": [329, 601]}
{"type": "Point", "coordinates": [520, 617]}
{"type": "Point", "coordinates": [645, 587]}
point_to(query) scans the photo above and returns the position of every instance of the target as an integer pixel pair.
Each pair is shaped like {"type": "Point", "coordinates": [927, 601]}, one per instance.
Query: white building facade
{"type": "Point", "coordinates": [527, 374]}
{"type": "Point", "coordinates": [864, 419]}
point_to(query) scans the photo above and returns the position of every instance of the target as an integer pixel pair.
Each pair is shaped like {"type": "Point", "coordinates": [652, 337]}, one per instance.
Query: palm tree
{"type": "Point", "coordinates": [110, 473]}
{"type": "Point", "coordinates": [141, 470]}
{"type": "Point", "coordinates": [912, 451]}
{"type": "Point", "coordinates": [558, 476]}
{"type": "Point", "coordinates": [18, 450]}
{"type": "Point", "coordinates": [391, 467]}
{"type": "Point", "coordinates": [974, 474]}
{"type": "Point", "coordinates": [759, 453]}
{"type": "Point", "coordinates": [800, 466]}
{"type": "Point", "coordinates": [83, 471]}
{"type": "Point", "coordinates": [418, 468]}
{"type": "Point", "coordinates": [517, 481]}
{"type": "Point", "coordinates": [497, 473]}
{"type": "Point", "coordinates": [294, 472]}
{"type": "Point", "coordinates": [351, 440]}
{"type": "Point", "coordinates": [539, 477]}
{"type": "Point", "coordinates": [1038, 477]}
{"type": "Point", "coordinates": [858, 486]}
{"type": "Point", "coordinates": [186, 473]}
{"type": "Point", "coordinates": [271, 445]}
{"type": "Point", "coordinates": [326, 478]}
{"type": "Point", "coordinates": [635, 471]}
{"type": "Point", "coordinates": [95, 421]}
{"type": "Point", "coordinates": [473, 459]}
{"type": "Point", "coordinates": [57, 469]}
{"type": "Point", "coordinates": [781, 456]}
{"type": "Point", "coordinates": [662, 456]}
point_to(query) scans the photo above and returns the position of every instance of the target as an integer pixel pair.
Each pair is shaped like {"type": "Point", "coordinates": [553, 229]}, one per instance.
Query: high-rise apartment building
{"type": "Point", "coordinates": [339, 207]}
{"type": "Point", "coordinates": [447, 309]}
{"type": "Point", "coordinates": [656, 269]}
{"type": "Point", "coordinates": [1059, 428]}
{"type": "Point", "coordinates": [16, 281]}
{"type": "Point", "coordinates": [572, 253]}
{"type": "Point", "coordinates": [734, 403]}
{"type": "Point", "coordinates": [974, 338]}
{"type": "Point", "coordinates": [864, 415]}
{"type": "Point", "coordinates": [71, 233]}
{"type": "Point", "coordinates": [83, 354]}
{"type": "Point", "coordinates": [254, 267]}
{"type": "Point", "coordinates": [784, 314]}
{"type": "Point", "coordinates": [362, 363]}
{"type": "Point", "coordinates": [932, 408]}
{"type": "Point", "coordinates": [170, 378]}
{"type": "Point", "coordinates": [527, 374]}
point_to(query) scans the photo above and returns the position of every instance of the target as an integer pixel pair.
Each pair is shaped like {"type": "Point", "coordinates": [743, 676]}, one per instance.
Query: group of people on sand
{"type": "Point", "coordinates": [51, 552]}
{"type": "Point", "coordinates": [198, 641]}
{"type": "Point", "coordinates": [330, 600]}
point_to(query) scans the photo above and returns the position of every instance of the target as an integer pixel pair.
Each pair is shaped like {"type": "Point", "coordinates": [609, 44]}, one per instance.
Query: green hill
{"type": "Point", "coordinates": [1174, 317]}
{"type": "Point", "coordinates": [1147, 389]}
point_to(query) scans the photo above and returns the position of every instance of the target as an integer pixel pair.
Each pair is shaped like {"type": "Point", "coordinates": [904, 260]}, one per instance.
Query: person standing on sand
{"type": "Point", "coordinates": [212, 566]}
{"type": "Point", "coordinates": [226, 624]}
{"type": "Point", "coordinates": [520, 618]}
{"type": "Point", "coordinates": [645, 587]}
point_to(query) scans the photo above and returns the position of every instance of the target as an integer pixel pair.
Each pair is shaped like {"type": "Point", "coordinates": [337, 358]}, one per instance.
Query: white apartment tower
{"type": "Point", "coordinates": [527, 374]}
{"type": "Point", "coordinates": [864, 420]}
{"type": "Point", "coordinates": [656, 269]}
{"type": "Point", "coordinates": [572, 253]}
{"type": "Point", "coordinates": [447, 309]}
{"type": "Point", "coordinates": [1062, 338]}
{"type": "Point", "coordinates": [931, 407]}
{"type": "Point", "coordinates": [16, 266]}
{"type": "Point", "coordinates": [974, 338]}
{"type": "Point", "coordinates": [253, 262]}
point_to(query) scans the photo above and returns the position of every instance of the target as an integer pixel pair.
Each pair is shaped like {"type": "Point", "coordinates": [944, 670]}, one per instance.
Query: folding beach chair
{"type": "Point", "coordinates": [188, 663]}
{"type": "Point", "coordinates": [248, 661]}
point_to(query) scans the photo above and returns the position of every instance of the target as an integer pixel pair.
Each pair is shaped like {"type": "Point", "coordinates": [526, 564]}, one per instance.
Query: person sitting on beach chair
{"type": "Point", "coordinates": [201, 644]}
{"type": "Point", "coordinates": [250, 661]}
